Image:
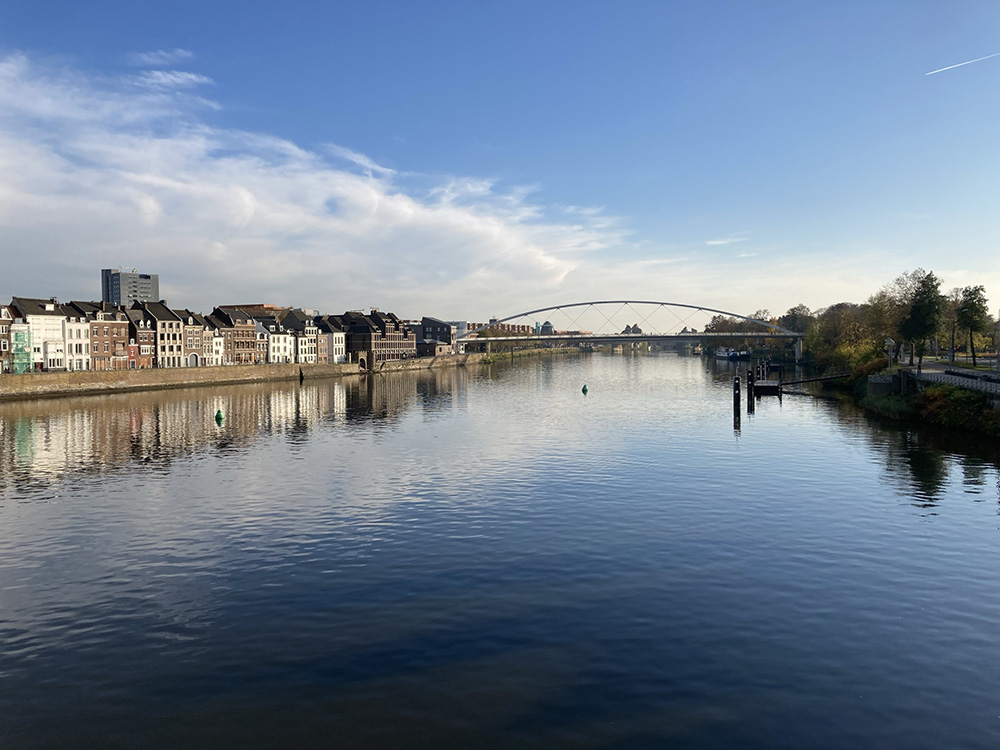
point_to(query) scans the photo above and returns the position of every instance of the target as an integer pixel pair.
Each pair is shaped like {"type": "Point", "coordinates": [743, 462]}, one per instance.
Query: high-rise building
{"type": "Point", "coordinates": [123, 286]}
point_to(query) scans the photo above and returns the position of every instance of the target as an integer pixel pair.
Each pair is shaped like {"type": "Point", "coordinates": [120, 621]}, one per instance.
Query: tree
{"type": "Point", "coordinates": [973, 314]}
{"type": "Point", "coordinates": [839, 337]}
{"type": "Point", "coordinates": [925, 312]}
{"type": "Point", "coordinates": [950, 319]}
{"type": "Point", "coordinates": [798, 319]}
{"type": "Point", "coordinates": [891, 306]}
{"type": "Point", "coordinates": [883, 317]}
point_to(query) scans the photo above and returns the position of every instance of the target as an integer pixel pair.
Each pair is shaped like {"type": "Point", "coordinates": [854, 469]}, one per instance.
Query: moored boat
{"type": "Point", "coordinates": [725, 352]}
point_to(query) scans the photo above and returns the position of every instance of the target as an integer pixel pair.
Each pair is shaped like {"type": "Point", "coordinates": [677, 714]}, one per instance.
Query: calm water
{"type": "Point", "coordinates": [489, 558]}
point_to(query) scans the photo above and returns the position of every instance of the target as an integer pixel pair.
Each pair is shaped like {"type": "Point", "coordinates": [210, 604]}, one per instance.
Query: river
{"type": "Point", "coordinates": [488, 557]}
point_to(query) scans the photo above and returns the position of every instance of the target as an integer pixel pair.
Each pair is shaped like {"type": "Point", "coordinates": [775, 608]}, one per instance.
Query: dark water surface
{"type": "Point", "coordinates": [488, 558]}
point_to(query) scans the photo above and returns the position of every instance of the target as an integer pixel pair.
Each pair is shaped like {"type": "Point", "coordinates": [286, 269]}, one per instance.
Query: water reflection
{"type": "Point", "coordinates": [485, 558]}
{"type": "Point", "coordinates": [920, 461]}
{"type": "Point", "coordinates": [44, 440]}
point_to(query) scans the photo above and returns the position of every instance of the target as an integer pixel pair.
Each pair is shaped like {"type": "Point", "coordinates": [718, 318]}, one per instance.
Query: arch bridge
{"type": "Point", "coordinates": [619, 322]}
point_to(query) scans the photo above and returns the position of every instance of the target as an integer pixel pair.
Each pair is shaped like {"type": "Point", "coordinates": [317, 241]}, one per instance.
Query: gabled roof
{"type": "Point", "coordinates": [198, 318]}
{"type": "Point", "coordinates": [156, 310]}
{"type": "Point", "coordinates": [136, 315]}
{"type": "Point", "coordinates": [233, 316]}
{"type": "Point", "coordinates": [327, 324]}
{"type": "Point", "coordinates": [91, 309]}
{"type": "Point", "coordinates": [219, 322]}
{"type": "Point", "coordinates": [270, 323]}
{"type": "Point", "coordinates": [298, 320]}
{"type": "Point", "coordinates": [34, 306]}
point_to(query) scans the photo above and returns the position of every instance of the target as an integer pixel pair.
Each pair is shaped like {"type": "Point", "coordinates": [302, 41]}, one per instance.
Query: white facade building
{"type": "Point", "coordinates": [338, 353]}
{"type": "Point", "coordinates": [44, 318]}
{"type": "Point", "coordinates": [280, 347]}
{"type": "Point", "coordinates": [76, 335]}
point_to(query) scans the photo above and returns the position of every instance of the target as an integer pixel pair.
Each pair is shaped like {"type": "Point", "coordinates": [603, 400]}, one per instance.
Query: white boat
{"type": "Point", "coordinates": [724, 352]}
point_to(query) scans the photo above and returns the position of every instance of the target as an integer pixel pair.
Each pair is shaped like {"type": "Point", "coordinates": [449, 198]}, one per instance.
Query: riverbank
{"type": "Point", "coordinates": [923, 403]}
{"type": "Point", "coordinates": [60, 384]}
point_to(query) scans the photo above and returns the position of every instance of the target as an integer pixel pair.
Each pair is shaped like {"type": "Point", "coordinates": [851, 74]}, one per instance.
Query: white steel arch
{"type": "Point", "coordinates": [594, 303]}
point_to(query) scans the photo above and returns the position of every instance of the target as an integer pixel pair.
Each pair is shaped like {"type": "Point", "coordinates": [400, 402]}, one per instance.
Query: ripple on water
{"type": "Point", "coordinates": [488, 558]}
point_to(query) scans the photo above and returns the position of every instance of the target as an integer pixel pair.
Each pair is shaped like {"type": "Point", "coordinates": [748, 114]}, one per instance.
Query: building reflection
{"type": "Point", "coordinates": [44, 440]}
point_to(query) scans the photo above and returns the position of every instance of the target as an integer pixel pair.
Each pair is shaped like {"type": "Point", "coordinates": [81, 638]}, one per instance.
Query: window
{"type": "Point", "coordinates": [105, 346]}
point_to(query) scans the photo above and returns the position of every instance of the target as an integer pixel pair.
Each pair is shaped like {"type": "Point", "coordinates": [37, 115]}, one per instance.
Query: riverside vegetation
{"type": "Point", "coordinates": [920, 320]}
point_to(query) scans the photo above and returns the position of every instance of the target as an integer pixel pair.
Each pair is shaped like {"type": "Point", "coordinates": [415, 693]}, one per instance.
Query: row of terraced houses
{"type": "Point", "coordinates": [38, 335]}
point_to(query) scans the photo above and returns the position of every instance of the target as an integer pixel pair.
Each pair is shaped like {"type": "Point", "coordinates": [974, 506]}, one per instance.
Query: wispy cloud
{"type": "Point", "coordinates": [367, 164]}
{"type": "Point", "coordinates": [170, 79]}
{"type": "Point", "coordinates": [726, 241]}
{"type": "Point", "coordinates": [959, 65]}
{"type": "Point", "coordinates": [159, 57]}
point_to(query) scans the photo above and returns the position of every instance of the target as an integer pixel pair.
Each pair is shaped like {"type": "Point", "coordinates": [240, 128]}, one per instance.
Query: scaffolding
{"type": "Point", "coordinates": [21, 358]}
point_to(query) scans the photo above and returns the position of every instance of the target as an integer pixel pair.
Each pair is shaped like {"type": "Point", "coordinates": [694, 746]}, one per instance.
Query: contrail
{"type": "Point", "coordinates": [967, 62]}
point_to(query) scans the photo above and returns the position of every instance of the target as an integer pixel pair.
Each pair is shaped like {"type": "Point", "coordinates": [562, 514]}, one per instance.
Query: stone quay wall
{"type": "Point", "coordinates": [56, 384]}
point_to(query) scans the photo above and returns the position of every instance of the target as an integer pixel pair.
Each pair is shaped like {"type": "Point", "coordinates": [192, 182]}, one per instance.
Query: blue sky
{"type": "Point", "coordinates": [470, 159]}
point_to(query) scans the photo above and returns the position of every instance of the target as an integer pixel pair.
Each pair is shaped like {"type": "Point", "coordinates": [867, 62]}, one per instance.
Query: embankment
{"type": "Point", "coordinates": [57, 384]}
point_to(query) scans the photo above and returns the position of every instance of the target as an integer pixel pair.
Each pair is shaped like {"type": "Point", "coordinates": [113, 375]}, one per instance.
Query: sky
{"type": "Point", "coordinates": [465, 160]}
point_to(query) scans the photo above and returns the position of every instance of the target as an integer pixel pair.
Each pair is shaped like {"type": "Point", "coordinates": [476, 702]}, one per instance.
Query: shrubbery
{"type": "Point", "coordinates": [957, 407]}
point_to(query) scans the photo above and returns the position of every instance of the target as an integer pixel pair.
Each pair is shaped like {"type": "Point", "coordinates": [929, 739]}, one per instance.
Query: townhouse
{"type": "Point", "coordinates": [80, 335]}
{"type": "Point", "coordinates": [6, 348]}
{"type": "Point", "coordinates": [44, 318]}
{"type": "Point", "coordinates": [241, 332]}
{"type": "Point", "coordinates": [142, 340]}
{"type": "Point", "coordinates": [304, 331]}
{"type": "Point", "coordinates": [109, 333]}
{"type": "Point", "coordinates": [193, 333]}
{"type": "Point", "coordinates": [280, 343]}
{"type": "Point", "coordinates": [168, 333]}
{"type": "Point", "coordinates": [335, 339]}
{"type": "Point", "coordinates": [76, 334]}
{"type": "Point", "coordinates": [376, 337]}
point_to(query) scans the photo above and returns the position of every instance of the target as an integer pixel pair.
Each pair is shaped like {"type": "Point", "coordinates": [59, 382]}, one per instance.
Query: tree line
{"type": "Point", "coordinates": [911, 310]}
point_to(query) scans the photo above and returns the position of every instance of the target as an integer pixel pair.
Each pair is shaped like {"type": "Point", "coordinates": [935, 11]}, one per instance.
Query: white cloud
{"type": "Point", "coordinates": [93, 174]}
{"type": "Point", "coordinates": [170, 79]}
{"type": "Point", "coordinates": [727, 241]}
{"type": "Point", "coordinates": [361, 160]}
{"type": "Point", "coordinates": [159, 57]}
{"type": "Point", "coordinates": [98, 172]}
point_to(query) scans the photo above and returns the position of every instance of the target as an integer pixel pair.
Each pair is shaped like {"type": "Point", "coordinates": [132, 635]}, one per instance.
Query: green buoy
{"type": "Point", "coordinates": [584, 389]}
{"type": "Point", "coordinates": [219, 417]}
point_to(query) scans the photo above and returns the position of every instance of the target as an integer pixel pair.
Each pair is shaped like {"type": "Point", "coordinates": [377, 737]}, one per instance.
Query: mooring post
{"type": "Point", "coordinates": [736, 391]}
